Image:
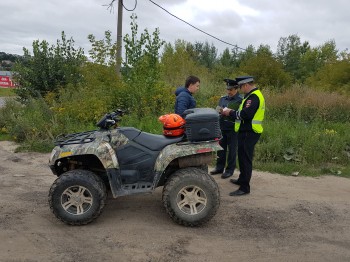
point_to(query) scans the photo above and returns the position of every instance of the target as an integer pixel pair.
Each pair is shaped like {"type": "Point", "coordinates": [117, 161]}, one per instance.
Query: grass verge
{"type": "Point", "coordinates": [297, 169]}
{"type": "Point", "coordinates": [5, 137]}
{"type": "Point", "coordinates": [7, 92]}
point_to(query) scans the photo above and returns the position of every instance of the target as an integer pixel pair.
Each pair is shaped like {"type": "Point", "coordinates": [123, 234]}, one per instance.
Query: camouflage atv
{"type": "Point", "coordinates": [128, 161]}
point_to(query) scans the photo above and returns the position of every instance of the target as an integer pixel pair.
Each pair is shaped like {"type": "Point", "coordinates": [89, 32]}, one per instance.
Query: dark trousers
{"type": "Point", "coordinates": [229, 143]}
{"type": "Point", "coordinates": [246, 145]}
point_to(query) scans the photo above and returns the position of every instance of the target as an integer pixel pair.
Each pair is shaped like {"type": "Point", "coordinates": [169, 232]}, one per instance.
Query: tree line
{"type": "Point", "coordinates": [149, 60]}
{"type": "Point", "coordinates": [8, 60]}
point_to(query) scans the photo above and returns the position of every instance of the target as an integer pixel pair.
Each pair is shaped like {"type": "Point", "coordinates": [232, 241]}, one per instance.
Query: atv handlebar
{"type": "Point", "coordinates": [110, 119]}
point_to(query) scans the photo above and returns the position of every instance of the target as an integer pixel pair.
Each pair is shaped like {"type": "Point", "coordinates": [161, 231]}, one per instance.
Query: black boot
{"type": "Point", "coordinates": [226, 174]}
{"type": "Point", "coordinates": [216, 171]}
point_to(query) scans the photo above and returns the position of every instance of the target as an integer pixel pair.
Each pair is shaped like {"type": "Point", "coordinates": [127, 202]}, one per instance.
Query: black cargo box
{"type": "Point", "coordinates": [202, 124]}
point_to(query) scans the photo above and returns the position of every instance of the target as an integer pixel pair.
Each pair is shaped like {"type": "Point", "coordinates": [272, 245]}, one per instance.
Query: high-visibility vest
{"type": "Point", "coordinates": [259, 114]}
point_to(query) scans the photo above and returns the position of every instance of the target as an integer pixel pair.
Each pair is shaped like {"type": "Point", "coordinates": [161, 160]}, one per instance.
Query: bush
{"type": "Point", "coordinates": [48, 69]}
{"type": "Point", "coordinates": [303, 104]}
{"type": "Point", "coordinates": [314, 143]}
{"type": "Point", "coordinates": [33, 122]}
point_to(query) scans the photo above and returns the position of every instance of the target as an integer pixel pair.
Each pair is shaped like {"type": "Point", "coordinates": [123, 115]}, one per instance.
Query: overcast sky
{"type": "Point", "coordinates": [234, 21]}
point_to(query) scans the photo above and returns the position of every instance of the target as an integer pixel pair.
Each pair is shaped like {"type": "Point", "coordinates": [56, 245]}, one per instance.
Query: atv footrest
{"type": "Point", "coordinates": [138, 187]}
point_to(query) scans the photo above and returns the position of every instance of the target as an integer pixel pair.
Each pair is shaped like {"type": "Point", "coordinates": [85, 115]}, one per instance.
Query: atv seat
{"type": "Point", "coordinates": [151, 141]}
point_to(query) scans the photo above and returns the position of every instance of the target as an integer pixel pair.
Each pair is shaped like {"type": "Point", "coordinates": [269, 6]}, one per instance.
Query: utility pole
{"type": "Point", "coordinates": [119, 37]}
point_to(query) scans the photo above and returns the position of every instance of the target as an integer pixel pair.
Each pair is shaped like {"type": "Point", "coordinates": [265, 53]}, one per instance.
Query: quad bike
{"type": "Point", "coordinates": [126, 161]}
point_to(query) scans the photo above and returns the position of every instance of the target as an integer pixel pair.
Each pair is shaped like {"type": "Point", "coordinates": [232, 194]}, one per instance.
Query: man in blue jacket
{"type": "Point", "coordinates": [184, 98]}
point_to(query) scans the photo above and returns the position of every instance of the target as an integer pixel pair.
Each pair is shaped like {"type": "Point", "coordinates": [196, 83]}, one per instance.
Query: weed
{"type": "Point", "coordinates": [4, 92]}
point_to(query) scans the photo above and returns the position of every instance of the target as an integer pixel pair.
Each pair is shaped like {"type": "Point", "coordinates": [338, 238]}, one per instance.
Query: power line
{"type": "Point", "coordinates": [236, 46]}
{"type": "Point", "coordinates": [110, 6]}
{"type": "Point", "coordinates": [130, 10]}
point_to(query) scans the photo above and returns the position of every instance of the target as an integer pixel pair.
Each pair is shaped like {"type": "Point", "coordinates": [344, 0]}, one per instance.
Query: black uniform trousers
{"type": "Point", "coordinates": [246, 145]}
{"type": "Point", "coordinates": [229, 143]}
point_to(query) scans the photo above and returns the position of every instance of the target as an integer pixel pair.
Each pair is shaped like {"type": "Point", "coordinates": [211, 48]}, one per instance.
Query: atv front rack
{"type": "Point", "coordinates": [76, 138]}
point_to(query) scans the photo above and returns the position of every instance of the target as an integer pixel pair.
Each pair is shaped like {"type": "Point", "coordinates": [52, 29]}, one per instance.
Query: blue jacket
{"type": "Point", "coordinates": [184, 100]}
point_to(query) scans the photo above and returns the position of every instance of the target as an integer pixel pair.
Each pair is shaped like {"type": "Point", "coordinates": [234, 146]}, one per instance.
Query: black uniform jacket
{"type": "Point", "coordinates": [227, 122]}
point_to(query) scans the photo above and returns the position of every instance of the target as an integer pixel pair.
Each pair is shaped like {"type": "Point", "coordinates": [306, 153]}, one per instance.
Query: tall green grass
{"type": "Point", "coordinates": [300, 103]}
{"type": "Point", "coordinates": [7, 92]}
{"type": "Point", "coordinates": [36, 125]}
{"type": "Point", "coordinates": [307, 143]}
{"type": "Point", "coordinates": [306, 132]}
{"type": "Point", "coordinates": [288, 147]}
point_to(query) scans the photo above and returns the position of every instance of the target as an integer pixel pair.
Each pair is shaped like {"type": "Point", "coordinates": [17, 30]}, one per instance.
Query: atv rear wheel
{"type": "Point", "coordinates": [77, 197]}
{"type": "Point", "coordinates": [191, 197]}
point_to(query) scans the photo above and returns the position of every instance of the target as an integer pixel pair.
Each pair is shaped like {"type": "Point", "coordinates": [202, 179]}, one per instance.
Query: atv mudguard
{"type": "Point", "coordinates": [102, 145]}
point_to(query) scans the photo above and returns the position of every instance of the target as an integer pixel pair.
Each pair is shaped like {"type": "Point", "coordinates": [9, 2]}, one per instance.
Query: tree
{"type": "Point", "coordinates": [225, 66]}
{"type": "Point", "coordinates": [177, 63]}
{"type": "Point", "coordinates": [203, 53]}
{"type": "Point", "coordinates": [207, 54]}
{"type": "Point", "coordinates": [141, 68]}
{"type": "Point", "coordinates": [103, 51]}
{"type": "Point", "coordinates": [49, 68]}
{"type": "Point", "coordinates": [332, 77]}
{"type": "Point", "coordinates": [240, 56]}
{"type": "Point", "coordinates": [316, 58]}
{"type": "Point", "coordinates": [225, 58]}
{"type": "Point", "coordinates": [267, 71]}
{"type": "Point", "coordinates": [141, 49]}
{"type": "Point", "coordinates": [290, 51]}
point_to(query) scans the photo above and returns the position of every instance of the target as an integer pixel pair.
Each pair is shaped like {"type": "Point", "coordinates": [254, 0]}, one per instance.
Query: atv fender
{"type": "Point", "coordinates": [197, 153]}
{"type": "Point", "coordinates": [173, 151]}
{"type": "Point", "coordinates": [103, 151]}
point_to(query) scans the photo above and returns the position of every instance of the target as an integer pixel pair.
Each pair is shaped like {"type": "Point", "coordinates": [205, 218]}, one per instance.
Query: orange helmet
{"type": "Point", "coordinates": [172, 120]}
{"type": "Point", "coordinates": [173, 124]}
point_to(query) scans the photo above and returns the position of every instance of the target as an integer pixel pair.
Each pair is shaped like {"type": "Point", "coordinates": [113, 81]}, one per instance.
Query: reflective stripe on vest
{"type": "Point", "coordinates": [259, 114]}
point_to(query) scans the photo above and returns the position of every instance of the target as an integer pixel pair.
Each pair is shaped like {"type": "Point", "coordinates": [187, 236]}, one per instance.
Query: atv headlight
{"type": "Point", "coordinates": [53, 153]}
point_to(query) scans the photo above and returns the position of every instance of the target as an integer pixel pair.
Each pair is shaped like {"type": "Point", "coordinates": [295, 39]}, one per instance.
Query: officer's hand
{"type": "Point", "coordinates": [226, 111]}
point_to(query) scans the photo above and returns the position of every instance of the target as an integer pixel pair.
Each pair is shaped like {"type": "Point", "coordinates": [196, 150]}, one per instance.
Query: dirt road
{"type": "Point", "coordinates": [283, 219]}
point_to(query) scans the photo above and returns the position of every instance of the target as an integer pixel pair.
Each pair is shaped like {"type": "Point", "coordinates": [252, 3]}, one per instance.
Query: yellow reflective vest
{"type": "Point", "coordinates": [259, 114]}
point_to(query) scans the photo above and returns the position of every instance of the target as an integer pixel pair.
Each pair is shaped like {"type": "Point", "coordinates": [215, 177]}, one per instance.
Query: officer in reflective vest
{"type": "Point", "coordinates": [248, 124]}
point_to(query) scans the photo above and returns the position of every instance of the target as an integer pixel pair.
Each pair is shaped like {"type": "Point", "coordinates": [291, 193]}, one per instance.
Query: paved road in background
{"type": "Point", "coordinates": [2, 101]}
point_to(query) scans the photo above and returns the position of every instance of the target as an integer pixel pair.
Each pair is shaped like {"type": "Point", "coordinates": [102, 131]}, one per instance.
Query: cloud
{"type": "Point", "coordinates": [315, 21]}
{"type": "Point", "coordinates": [237, 22]}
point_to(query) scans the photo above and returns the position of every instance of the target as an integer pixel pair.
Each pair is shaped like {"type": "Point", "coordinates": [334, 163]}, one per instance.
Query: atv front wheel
{"type": "Point", "coordinates": [191, 197]}
{"type": "Point", "coordinates": [77, 197]}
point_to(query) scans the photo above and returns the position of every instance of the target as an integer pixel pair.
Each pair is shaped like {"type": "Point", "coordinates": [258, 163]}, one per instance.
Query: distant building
{"type": "Point", "coordinates": [6, 79]}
